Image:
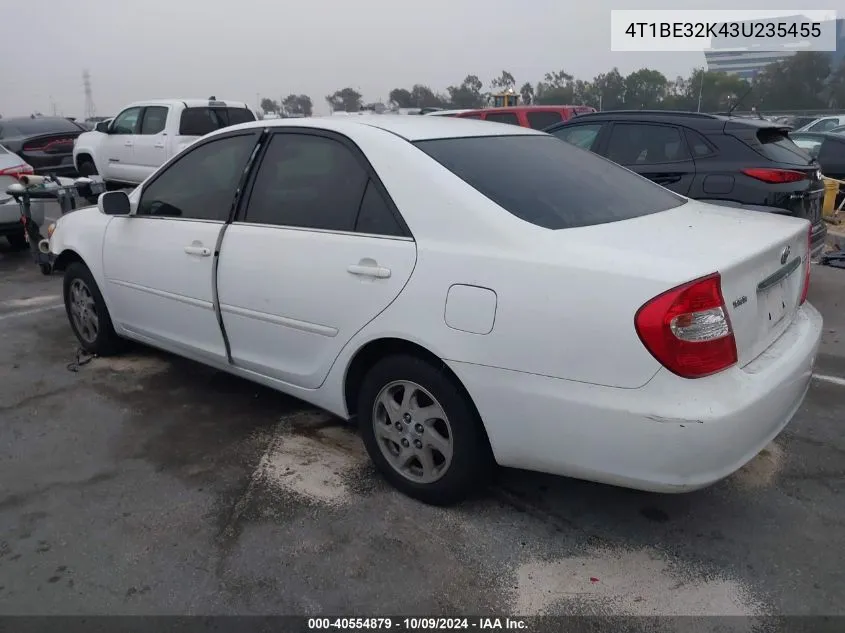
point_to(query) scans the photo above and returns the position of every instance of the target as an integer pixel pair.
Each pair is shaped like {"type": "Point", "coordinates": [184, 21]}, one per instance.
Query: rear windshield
{"type": "Point", "coordinates": [29, 127]}
{"type": "Point", "coordinates": [202, 121]}
{"type": "Point", "coordinates": [550, 183]}
{"type": "Point", "coordinates": [777, 146]}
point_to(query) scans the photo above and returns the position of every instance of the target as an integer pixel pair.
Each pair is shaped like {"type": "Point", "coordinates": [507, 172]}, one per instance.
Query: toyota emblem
{"type": "Point", "coordinates": [784, 255]}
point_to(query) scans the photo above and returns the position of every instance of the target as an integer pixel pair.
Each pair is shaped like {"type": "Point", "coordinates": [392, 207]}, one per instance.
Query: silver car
{"type": "Point", "coordinates": [11, 166]}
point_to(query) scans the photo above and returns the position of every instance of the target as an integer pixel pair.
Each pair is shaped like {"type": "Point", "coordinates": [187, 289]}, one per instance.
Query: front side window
{"type": "Point", "coordinates": [308, 181]}
{"type": "Point", "coordinates": [640, 144]}
{"type": "Point", "coordinates": [823, 125]}
{"type": "Point", "coordinates": [548, 183]}
{"type": "Point", "coordinates": [201, 184]}
{"type": "Point", "coordinates": [126, 122]}
{"type": "Point", "coordinates": [155, 118]}
{"type": "Point", "coordinates": [583, 136]}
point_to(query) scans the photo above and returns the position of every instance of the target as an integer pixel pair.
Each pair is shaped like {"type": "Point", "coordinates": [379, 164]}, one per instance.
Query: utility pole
{"type": "Point", "coordinates": [701, 89]}
{"type": "Point", "coordinates": [90, 110]}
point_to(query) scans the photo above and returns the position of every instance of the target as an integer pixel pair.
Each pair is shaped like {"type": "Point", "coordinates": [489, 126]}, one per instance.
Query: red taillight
{"type": "Point", "coordinates": [806, 288]}
{"type": "Point", "coordinates": [688, 330]}
{"type": "Point", "coordinates": [42, 146]}
{"type": "Point", "coordinates": [776, 176]}
{"type": "Point", "coordinates": [17, 170]}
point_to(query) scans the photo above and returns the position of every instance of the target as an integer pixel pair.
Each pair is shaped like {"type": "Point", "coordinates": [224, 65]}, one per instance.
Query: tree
{"type": "Point", "coordinates": [526, 93]}
{"type": "Point", "coordinates": [401, 98]}
{"type": "Point", "coordinates": [269, 105]}
{"type": "Point", "coordinates": [836, 87]}
{"type": "Point", "coordinates": [795, 83]}
{"type": "Point", "coordinates": [298, 104]}
{"type": "Point", "coordinates": [609, 88]}
{"type": "Point", "coordinates": [468, 94]}
{"type": "Point", "coordinates": [503, 82]}
{"type": "Point", "coordinates": [645, 89]}
{"type": "Point", "coordinates": [424, 97]}
{"type": "Point", "coordinates": [555, 89]}
{"type": "Point", "coordinates": [345, 100]}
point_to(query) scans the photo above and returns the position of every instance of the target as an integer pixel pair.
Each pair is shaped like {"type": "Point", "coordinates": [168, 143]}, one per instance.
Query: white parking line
{"type": "Point", "coordinates": [23, 313]}
{"type": "Point", "coordinates": [836, 380]}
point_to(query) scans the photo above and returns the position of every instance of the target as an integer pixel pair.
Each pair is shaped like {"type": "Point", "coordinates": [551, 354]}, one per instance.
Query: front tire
{"type": "Point", "coordinates": [86, 310]}
{"type": "Point", "coordinates": [422, 432]}
{"type": "Point", "coordinates": [87, 168]}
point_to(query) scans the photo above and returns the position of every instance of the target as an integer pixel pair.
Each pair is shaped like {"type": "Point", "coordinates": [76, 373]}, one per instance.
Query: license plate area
{"type": "Point", "coordinates": [775, 303]}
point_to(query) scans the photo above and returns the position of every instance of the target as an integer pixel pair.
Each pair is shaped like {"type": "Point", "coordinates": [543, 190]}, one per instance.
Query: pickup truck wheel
{"type": "Point", "coordinates": [17, 240]}
{"type": "Point", "coordinates": [422, 432]}
{"type": "Point", "coordinates": [86, 310]}
{"type": "Point", "coordinates": [87, 168]}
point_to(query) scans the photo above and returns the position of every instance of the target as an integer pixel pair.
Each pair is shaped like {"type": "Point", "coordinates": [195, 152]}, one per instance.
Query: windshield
{"type": "Point", "coordinates": [548, 182]}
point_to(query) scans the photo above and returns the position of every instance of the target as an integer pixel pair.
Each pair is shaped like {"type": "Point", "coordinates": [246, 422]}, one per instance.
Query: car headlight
{"type": "Point", "coordinates": [50, 230]}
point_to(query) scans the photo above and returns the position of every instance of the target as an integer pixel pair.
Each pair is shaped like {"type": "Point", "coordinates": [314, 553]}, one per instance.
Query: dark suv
{"type": "Point", "coordinates": [731, 161]}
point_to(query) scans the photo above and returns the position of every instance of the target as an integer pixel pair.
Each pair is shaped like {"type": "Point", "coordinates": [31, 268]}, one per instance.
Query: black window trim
{"type": "Point", "coordinates": [144, 109]}
{"type": "Point", "coordinates": [677, 128]}
{"type": "Point", "coordinates": [137, 129]}
{"type": "Point", "coordinates": [688, 131]}
{"type": "Point", "coordinates": [257, 133]}
{"type": "Point", "coordinates": [240, 216]}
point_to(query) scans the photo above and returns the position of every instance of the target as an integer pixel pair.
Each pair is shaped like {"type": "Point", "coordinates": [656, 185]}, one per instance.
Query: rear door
{"type": "Point", "coordinates": [319, 252]}
{"type": "Point", "coordinates": [150, 143]}
{"type": "Point", "coordinates": [657, 151]}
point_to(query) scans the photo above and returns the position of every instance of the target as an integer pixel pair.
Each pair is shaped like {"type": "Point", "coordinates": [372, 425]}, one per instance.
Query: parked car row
{"type": "Point", "coordinates": [476, 294]}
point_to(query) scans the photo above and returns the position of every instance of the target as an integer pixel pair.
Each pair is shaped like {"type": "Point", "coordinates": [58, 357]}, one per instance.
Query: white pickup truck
{"type": "Point", "coordinates": [146, 134]}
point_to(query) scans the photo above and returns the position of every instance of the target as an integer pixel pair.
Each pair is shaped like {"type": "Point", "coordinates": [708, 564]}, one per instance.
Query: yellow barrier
{"type": "Point", "coordinates": [831, 189]}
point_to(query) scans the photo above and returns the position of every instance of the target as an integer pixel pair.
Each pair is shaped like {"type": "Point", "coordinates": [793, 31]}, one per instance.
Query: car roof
{"type": "Point", "coordinates": [21, 119]}
{"type": "Point", "coordinates": [697, 120]}
{"type": "Point", "coordinates": [189, 103]}
{"type": "Point", "coordinates": [411, 128]}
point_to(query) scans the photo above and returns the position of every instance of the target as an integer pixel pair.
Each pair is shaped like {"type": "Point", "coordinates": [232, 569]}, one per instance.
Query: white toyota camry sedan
{"type": "Point", "coordinates": [472, 293]}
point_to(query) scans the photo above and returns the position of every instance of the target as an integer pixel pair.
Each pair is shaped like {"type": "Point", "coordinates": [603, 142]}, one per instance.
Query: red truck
{"type": "Point", "coordinates": [537, 117]}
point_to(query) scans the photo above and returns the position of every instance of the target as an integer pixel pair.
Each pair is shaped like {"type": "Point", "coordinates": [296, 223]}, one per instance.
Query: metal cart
{"type": "Point", "coordinates": [70, 193]}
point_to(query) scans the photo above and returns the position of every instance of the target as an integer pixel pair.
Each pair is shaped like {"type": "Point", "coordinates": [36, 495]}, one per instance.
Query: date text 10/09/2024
{"type": "Point", "coordinates": [416, 624]}
{"type": "Point", "coordinates": [762, 30]}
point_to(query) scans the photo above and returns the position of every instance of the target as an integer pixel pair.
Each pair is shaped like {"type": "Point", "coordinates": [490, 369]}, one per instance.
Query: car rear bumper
{"type": "Point", "coordinates": [672, 435]}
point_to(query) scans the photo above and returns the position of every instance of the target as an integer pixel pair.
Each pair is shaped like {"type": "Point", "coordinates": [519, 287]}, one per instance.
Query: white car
{"type": "Point", "coordinates": [473, 293]}
{"type": "Point", "coordinates": [146, 134]}
{"type": "Point", "coordinates": [824, 124]}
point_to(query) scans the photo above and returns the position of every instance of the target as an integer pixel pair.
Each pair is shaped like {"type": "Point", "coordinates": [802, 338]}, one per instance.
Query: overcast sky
{"type": "Point", "coordinates": [237, 49]}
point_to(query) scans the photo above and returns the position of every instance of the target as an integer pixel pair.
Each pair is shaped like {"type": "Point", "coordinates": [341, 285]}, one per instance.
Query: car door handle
{"type": "Point", "coordinates": [128, 144]}
{"type": "Point", "coordinates": [665, 179]}
{"type": "Point", "coordinates": [202, 251]}
{"type": "Point", "coordinates": [159, 145]}
{"type": "Point", "coordinates": [369, 270]}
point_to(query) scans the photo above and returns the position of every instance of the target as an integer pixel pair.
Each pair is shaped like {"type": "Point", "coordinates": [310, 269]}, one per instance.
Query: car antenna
{"type": "Point", "coordinates": [738, 101]}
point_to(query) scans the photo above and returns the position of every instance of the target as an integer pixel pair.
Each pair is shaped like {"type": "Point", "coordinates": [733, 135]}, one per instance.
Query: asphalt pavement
{"type": "Point", "coordinates": [147, 484]}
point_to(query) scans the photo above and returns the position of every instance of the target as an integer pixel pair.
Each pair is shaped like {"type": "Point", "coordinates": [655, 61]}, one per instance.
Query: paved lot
{"type": "Point", "coordinates": [147, 484]}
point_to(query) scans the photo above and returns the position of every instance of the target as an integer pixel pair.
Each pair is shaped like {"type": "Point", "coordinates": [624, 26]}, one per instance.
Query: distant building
{"type": "Point", "coordinates": [748, 63]}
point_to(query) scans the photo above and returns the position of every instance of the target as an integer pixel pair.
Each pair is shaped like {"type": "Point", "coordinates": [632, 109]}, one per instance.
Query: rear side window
{"type": "Point", "coordinates": [583, 136]}
{"type": "Point", "coordinates": [503, 117]}
{"type": "Point", "coordinates": [202, 121]}
{"type": "Point", "coordinates": [824, 125]}
{"type": "Point", "coordinates": [777, 146]}
{"type": "Point", "coordinates": [698, 144]}
{"type": "Point", "coordinates": [548, 183]}
{"type": "Point", "coordinates": [155, 118]}
{"type": "Point", "coordinates": [640, 144]}
{"type": "Point", "coordinates": [471, 116]}
{"type": "Point", "coordinates": [542, 120]}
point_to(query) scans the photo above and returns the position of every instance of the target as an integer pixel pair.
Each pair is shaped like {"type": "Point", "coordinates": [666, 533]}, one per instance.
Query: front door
{"type": "Point", "coordinates": [116, 152]}
{"type": "Point", "coordinates": [159, 262]}
{"type": "Point", "coordinates": [319, 253]}
{"type": "Point", "coordinates": [658, 152]}
{"type": "Point", "coordinates": [150, 150]}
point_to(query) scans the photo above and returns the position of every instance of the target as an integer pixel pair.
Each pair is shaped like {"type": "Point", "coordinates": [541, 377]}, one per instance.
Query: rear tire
{"type": "Point", "coordinates": [87, 312]}
{"type": "Point", "coordinates": [422, 432]}
{"type": "Point", "coordinates": [87, 168]}
{"type": "Point", "coordinates": [17, 240]}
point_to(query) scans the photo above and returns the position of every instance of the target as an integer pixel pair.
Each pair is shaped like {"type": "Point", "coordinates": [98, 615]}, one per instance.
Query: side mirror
{"type": "Point", "coordinates": [102, 126]}
{"type": "Point", "coordinates": [114, 203]}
